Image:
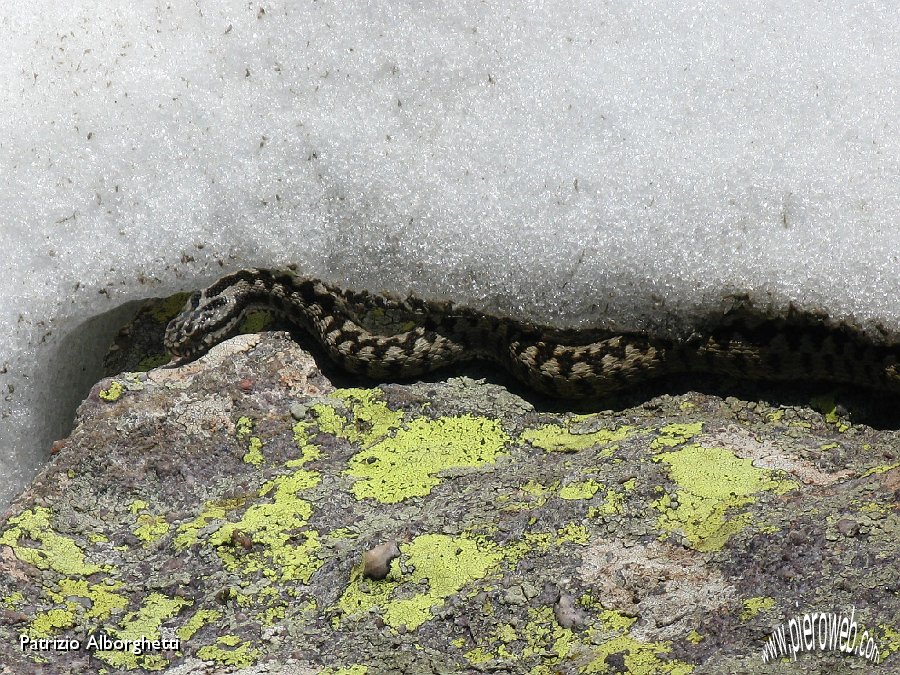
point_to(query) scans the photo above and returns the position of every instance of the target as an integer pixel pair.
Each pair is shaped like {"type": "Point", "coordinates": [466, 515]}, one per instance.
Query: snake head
{"type": "Point", "coordinates": [200, 325]}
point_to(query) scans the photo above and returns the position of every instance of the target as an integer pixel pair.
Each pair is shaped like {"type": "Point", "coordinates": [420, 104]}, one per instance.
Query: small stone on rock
{"type": "Point", "coordinates": [848, 527]}
{"type": "Point", "coordinates": [377, 561]}
{"type": "Point", "coordinates": [567, 613]}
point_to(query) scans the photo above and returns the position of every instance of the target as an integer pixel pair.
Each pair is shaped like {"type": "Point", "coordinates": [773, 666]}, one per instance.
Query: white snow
{"type": "Point", "coordinates": [579, 162]}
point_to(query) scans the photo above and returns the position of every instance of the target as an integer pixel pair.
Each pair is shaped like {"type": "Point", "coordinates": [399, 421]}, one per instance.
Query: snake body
{"type": "Point", "coordinates": [384, 337]}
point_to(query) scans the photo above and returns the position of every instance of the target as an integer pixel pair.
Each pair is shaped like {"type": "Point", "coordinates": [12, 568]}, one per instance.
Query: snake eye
{"type": "Point", "coordinates": [194, 300]}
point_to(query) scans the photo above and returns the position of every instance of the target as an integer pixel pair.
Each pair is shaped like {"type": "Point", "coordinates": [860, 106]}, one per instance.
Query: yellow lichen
{"type": "Point", "coordinates": [243, 427]}
{"type": "Point", "coordinates": [406, 465]}
{"type": "Point", "coordinates": [826, 405]}
{"type": "Point", "coordinates": [145, 623]}
{"type": "Point", "coordinates": [137, 506]}
{"type": "Point", "coordinates": [613, 501]}
{"type": "Point", "coordinates": [557, 438]}
{"type": "Point", "coordinates": [308, 451]}
{"type": "Point", "coordinates": [369, 419]}
{"type": "Point", "coordinates": [188, 533]}
{"type": "Point", "coordinates": [675, 434]}
{"type": "Point", "coordinates": [890, 640]}
{"type": "Point", "coordinates": [102, 599]}
{"type": "Point", "coordinates": [755, 605]}
{"type": "Point", "coordinates": [713, 484]}
{"type": "Point", "coordinates": [200, 618]}
{"type": "Point", "coordinates": [229, 650]}
{"type": "Point", "coordinates": [254, 451]}
{"type": "Point", "coordinates": [50, 622]}
{"type": "Point", "coordinates": [270, 536]}
{"type": "Point", "coordinates": [113, 392]}
{"type": "Point", "coordinates": [150, 527]}
{"type": "Point", "coordinates": [273, 526]}
{"type": "Point", "coordinates": [571, 533]}
{"type": "Point", "coordinates": [441, 564]}
{"type": "Point", "coordinates": [640, 658]}
{"type": "Point", "coordinates": [884, 468]}
{"type": "Point", "coordinates": [694, 637]}
{"type": "Point", "coordinates": [583, 490]}
{"type": "Point", "coordinates": [555, 646]}
{"type": "Point", "coordinates": [538, 496]}
{"type": "Point", "coordinates": [346, 670]}
{"type": "Point", "coordinates": [55, 552]}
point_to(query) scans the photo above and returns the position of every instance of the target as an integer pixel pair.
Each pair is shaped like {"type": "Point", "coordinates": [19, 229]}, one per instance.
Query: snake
{"type": "Point", "coordinates": [386, 337]}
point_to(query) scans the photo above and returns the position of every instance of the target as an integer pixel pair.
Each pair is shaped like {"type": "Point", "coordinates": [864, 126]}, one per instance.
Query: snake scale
{"type": "Point", "coordinates": [384, 337]}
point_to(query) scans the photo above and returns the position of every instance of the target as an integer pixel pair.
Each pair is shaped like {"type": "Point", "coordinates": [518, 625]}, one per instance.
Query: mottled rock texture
{"type": "Point", "coordinates": [229, 504]}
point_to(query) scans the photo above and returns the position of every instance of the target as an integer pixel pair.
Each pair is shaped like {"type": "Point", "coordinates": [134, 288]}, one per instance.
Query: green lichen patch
{"type": "Point", "coordinates": [199, 619]}
{"type": "Point", "coordinates": [827, 405]}
{"type": "Point", "coordinates": [273, 527]}
{"type": "Point", "coordinates": [269, 535]}
{"type": "Point", "coordinates": [230, 650]}
{"type": "Point", "coordinates": [561, 438]}
{"type": "Point", "coordinates": [212, 511]}
{"type": "Point", "coordinates": [673, 435]}
{"type": "Point", "coordinates": [712, 485]}
{"type": "Point", "coordinates": [254, 451]}
{"type": "Point", "coordinates": [407, 464]}
{"type": "Point", "coordinates": [243, 429]}
{"type": "Point", "coordinates": [581, 490]}
{"type": "Point", "coordinates": [541, 541]}
{"type": "Point", "coordinates": [755, 605]}
{"type": "Point", "coordinates": [46, 624]}
{"type": "Point", "coordinates": [566, 650]}
{"type": "Point", "coordinates": [13, 600]}
{"type": "Point", "coordinates": [81, 601]}
{"type": "Point", "coordinates": [775, 416]}
{"type": "Point", "coordinates": [167, 309]}
{"type": "Point", "coordinates": [143, 623]}
{"type": "Point", "coordinates": [103, 598]}
{"type": "Point", "coordinates": [531, 495]}
{"type": "Point", "coordinates": [890, 640]}
{"type": "Point", "coordinates": [441, 564]}
{"type": "Point", "coordinates": [637, 656]}
{"type": "Point", "coordinates": [256, 321]}
{"type": "Point", "coordinates": [148, 526]}
{"type": "Point", "coordinates": [152, 361]}
{"type": "Point", "coordinates": [883, 468]}
{"type": "Point", "coordinates": [308, 451]}
{"type": "Point", "coordinates": [613, 500]}
{"type": "Point", "coordinates": [368, 418]}
{"type": "Point", "coordinates": [113, 392]}
{"type": "Point", "coordinates": [347, 670]}
{"type": "Point", "coordinates": [53, 551]}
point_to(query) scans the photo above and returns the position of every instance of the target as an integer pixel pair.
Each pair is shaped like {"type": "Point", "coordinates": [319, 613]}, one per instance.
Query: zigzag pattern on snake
{"type": "Point", "coordinates": [384, 337]}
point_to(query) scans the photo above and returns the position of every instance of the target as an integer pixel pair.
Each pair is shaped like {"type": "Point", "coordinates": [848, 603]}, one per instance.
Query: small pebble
{"type": "Point", "coordinates": [567, 613]}
{"type": "Point", "coordinates": [377, 561]}
{"type": "Point", "coordinates": [848, 527]}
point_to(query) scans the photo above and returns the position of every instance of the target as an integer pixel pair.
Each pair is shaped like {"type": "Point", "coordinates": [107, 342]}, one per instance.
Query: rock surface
{"type": "Point", "coordinates": [227, 505]}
